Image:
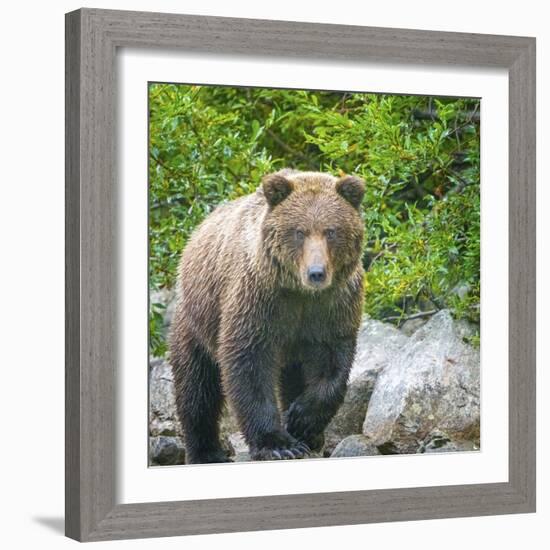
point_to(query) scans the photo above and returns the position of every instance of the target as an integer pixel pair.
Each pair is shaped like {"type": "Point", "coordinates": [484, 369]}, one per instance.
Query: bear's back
{"type": "Point", "coordinates": [222, 249]}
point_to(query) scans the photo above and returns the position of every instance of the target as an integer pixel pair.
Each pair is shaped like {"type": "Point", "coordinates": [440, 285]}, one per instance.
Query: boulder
{"type": "Point", "coordinates": [241, 452]}
{"type": "Point", "coordinates": [410, 326]}
{"type": "Point", "coordinates": [440, 442]}
{"type": "Point", "coordinates": [405, 395]}
{"type": "Point", "coordinates": [432, 384]}
{"type": "Point", "coordinates": [163, 418]}
{"type": "Point", "coordinates": [228, 423]}
{"type": "Point", "coordinates": [355, 445]}
{"type": "Point", "coordinates": [166, 450]}
{"type": "Point", "coordinates": [377, 345]}
{"type": "Point", "coordinates": [351, 414]}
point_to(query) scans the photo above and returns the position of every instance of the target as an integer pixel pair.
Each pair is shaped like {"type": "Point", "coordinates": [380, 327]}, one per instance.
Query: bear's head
{"type": "Point", "coordinates": [313, 228]}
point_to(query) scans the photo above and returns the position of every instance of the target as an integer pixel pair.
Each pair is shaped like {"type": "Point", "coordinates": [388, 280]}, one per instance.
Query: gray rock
{"type": "Point", "coordinates": [228, 423]}
{"type": "Point", "coordinates": [410, 326]}
{"type": "Point", "coordinates": [432, 384]}
{"type": "Point", "coordinates": [418, 394]}
{"type": "Point", "coordinates": [241, 452]}
{"type": "Point", "coordinates": [377, 345]}
{"type": "Point", "coordinates": [440, 442]}
{"type": "Point", "coordinates": [355, 445]}
{"type": "Point", "coordinates": [350, 416]}
{"type": "Point", "coordinates": [462, 290]}
{"type": "Point", "coordinates": [453, 447]}
{"type": "Point", "coordinates": [163, 418]}
{"type": "Point", "coordinates": [466, 329]}
{"type": "Point", "coordinates": [238, 443]}
{"type": "Point", "coordinates": [164, 450]}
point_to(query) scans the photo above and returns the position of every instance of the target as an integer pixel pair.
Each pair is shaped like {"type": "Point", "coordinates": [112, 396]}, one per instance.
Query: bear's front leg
{"type": "Point", "coordinates": [248, 373]}
{"type": "Point", "coordinates": [326, 371]}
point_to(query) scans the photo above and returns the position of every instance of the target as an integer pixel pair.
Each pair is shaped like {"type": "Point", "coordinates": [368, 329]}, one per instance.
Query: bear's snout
{"type": "Point", "coordinates": [316, 274]}
{"type": "Point", "coordinates": [315, 266]}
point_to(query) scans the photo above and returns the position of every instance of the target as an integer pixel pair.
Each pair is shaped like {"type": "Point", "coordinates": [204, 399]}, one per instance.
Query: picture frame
{"type": "Point", "coordinates": [92, 39]}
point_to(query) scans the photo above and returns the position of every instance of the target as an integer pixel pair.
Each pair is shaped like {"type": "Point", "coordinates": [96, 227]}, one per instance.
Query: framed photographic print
{"type": "Point", "coordinates": [300, 275]}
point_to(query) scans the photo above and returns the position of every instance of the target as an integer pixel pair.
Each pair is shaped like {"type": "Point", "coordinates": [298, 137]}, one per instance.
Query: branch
{"type": "Point", "coordinates": [474, 116]}
{"type": "Point", "coordinates": [170, 202]}
{"type": "Point", "coordinates": [388, 248]}
{"type": "Point", "coordinates": [431, 114]}
{"type": "Point", "coordinates": [171, 171]}
{"type": "Point", "coordinates": [418, 315]}
{"type": "Point", "coordinates": [289, 149]}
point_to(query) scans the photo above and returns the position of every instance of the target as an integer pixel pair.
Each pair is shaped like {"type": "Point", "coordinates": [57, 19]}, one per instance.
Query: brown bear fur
{"type": "Point", "coordinates": [270, 295]}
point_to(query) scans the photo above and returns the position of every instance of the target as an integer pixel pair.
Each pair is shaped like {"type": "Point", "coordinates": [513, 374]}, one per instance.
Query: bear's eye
{"type": "Point", "coordinates": [300, 235]}
{"type": "Point", "coordinates": [330, 234]}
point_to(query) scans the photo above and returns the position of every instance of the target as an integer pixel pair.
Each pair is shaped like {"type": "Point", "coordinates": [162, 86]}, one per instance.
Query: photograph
{"type": "Point", "coordinates": [279, 261]}
{"type": "Point", "coordinates": [314, 274]}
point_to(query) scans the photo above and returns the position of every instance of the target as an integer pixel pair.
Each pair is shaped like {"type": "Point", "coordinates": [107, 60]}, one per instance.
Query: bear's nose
{"type": "Point", "coordinates": [316, 274]}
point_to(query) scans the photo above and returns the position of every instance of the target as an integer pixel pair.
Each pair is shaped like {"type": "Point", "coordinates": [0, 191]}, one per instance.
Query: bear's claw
{"type": "Point", "coordinates": [300, 450]}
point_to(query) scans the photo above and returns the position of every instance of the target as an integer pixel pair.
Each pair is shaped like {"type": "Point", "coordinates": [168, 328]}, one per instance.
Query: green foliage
{"type": "Point", "coordinates": [418, 155]}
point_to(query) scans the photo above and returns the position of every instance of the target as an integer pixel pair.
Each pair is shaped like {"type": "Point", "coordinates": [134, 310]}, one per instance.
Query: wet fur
{"type": "Point", "coordinates": [245, 328]}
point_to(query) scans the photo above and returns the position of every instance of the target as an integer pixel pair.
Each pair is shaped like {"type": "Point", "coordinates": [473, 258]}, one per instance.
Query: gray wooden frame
{"type": "Point", "coordinates": [92, 38]}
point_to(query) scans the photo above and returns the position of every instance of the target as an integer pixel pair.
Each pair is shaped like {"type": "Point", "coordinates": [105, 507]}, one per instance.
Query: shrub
{"type": "Point", "coordinates": [418, 155]}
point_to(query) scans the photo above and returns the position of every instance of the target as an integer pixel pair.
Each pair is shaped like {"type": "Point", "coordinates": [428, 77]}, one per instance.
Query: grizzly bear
{"type": "Point", "coordinates": [270, 296]}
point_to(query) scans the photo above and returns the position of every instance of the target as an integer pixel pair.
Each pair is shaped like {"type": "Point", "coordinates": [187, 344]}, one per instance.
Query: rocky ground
{"type": "Point", "coordinates": [411, 390]}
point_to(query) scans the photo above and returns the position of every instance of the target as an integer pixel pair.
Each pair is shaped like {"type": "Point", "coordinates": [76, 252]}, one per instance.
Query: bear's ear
{"type": "Point", "coordinates": [276, 188]}
{"type": "Point", "coordinates": [352, 189]}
